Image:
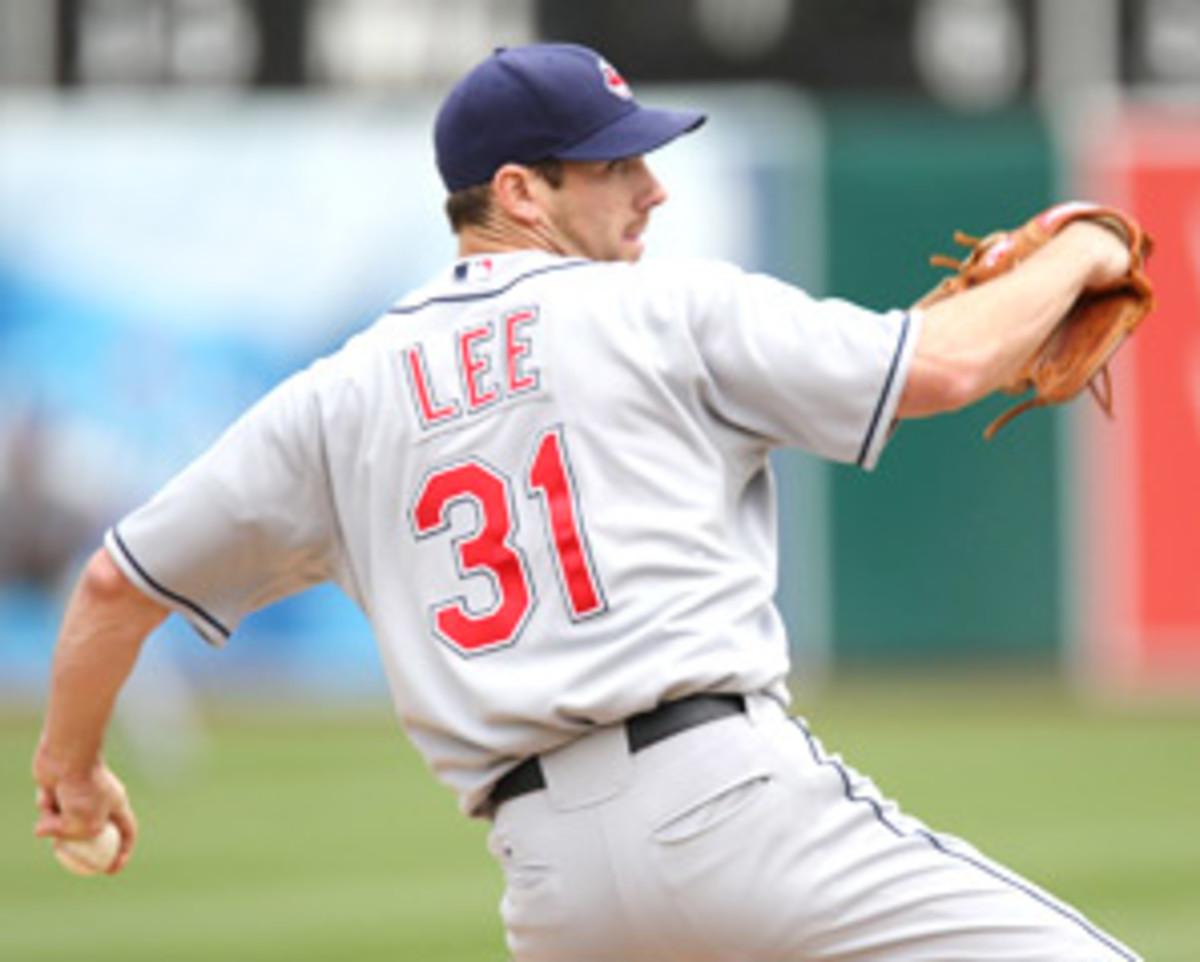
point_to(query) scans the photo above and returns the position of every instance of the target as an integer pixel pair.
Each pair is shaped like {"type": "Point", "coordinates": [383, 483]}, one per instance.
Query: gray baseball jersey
{"type": "Point", "coordinates": [546, 483]}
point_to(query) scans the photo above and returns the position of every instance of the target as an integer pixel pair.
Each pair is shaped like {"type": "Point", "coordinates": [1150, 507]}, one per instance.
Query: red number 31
{"type": "Point", "coordinates": [490, 549]}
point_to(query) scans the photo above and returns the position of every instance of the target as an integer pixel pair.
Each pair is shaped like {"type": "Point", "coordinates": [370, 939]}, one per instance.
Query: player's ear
{"type": "Point", "coordinates": [516, 192]}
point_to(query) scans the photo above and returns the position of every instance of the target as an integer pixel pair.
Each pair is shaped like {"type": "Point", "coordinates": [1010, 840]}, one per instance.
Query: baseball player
{"type": "Point", "coordinates": [544, 478]}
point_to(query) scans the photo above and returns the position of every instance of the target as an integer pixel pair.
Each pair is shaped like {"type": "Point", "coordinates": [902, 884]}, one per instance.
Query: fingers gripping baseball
{"type": "Point", "coordinates": [1117, 297]}
{"type": "Point", "coordinates": [82, 808]}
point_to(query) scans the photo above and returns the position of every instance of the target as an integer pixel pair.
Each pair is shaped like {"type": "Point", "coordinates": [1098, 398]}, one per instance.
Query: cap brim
{"type": "Point", "coordinates": [638, 132]}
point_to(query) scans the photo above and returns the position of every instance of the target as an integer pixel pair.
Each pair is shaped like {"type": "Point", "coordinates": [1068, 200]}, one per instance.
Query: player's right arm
{"type": "Point", "coordinates": [971, 344]}
{"type": "Point", "coordinates": [103, 628]}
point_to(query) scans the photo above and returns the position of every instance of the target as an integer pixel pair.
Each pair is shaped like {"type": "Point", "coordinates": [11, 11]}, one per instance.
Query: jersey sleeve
{"type": "Point", "coordinates": [247, 523]}
{"type": "Point", "coordinates": [822, 375]}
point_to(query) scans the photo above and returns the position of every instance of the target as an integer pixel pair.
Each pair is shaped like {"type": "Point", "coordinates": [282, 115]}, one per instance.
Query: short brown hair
{"type": "Point", "coordinates": [472, 206]}
{"type": "Point", "coordinates": [469, 207]}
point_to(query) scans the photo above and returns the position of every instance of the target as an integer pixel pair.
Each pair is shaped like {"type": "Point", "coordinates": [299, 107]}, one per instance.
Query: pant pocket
{"type": "Point", "coordinates": [711, 828]}
{"type": "Point", "coordinates": [709, 813]}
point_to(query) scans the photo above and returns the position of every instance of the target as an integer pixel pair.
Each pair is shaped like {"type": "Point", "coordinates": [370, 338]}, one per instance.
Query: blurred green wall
{"type": "Point", "coordinates": [950, 548]}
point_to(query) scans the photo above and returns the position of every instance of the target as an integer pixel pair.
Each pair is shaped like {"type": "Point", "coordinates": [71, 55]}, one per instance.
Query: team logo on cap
{"type": "Point", "coordinates": [614, 81]}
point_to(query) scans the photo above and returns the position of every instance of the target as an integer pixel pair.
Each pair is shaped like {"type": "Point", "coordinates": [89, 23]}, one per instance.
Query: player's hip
{"type": "Point", "coordinates": [743, 838]}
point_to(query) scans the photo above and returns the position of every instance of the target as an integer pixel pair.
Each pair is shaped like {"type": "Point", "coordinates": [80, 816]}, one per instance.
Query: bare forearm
{"type": "Point", "coordinates": [103, 629]}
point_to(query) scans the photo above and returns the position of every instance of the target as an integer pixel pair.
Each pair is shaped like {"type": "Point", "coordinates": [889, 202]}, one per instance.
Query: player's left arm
{"type": "Point", "coordinates": [103, 628]}
{"type": "Point", "coordinates": [972, 343]}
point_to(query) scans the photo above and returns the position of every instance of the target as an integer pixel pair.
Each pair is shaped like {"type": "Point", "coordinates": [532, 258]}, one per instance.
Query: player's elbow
{"type": "Point", "coordinates": [105, 591]}
{"type": "Point", "coordinates": [102, 580]}
{"type": "Point", "coordinates": [939, 386]}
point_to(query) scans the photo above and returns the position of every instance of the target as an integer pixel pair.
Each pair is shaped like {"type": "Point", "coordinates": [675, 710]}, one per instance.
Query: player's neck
{"type": "Point", "coordinates": [504, 238]}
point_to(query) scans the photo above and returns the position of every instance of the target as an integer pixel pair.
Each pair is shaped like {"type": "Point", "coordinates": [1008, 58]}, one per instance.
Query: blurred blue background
{"type": "Point", "coordinates": [161, 266]}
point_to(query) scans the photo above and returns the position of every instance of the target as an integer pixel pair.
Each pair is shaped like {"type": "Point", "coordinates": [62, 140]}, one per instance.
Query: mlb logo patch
{"type": "Point", "coordinates": [476, 270]}
{"type": "Point", "coordinates": [614, 81]}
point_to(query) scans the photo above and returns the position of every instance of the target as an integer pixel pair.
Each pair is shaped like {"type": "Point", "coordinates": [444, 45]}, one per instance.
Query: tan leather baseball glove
{"type": "Point", "coordinates": [1076, 354]}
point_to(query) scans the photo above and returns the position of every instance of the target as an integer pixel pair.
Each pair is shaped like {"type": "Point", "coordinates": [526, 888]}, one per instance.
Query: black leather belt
{"type": "Point", "coordinates": [642, 730]}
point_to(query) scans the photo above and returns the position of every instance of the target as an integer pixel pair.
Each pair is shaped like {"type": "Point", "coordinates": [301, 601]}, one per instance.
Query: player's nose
{"type": "Point", "coordinates": [652, 192]}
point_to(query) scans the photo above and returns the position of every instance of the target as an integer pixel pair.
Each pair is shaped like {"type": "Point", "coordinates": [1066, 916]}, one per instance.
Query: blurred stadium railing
{"type": "Point", "coordinates": [976, 54]}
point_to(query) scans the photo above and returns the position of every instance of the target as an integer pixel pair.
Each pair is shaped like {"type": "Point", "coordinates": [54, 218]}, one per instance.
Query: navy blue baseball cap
{"type": "Point", "coordinates": [541, 102]}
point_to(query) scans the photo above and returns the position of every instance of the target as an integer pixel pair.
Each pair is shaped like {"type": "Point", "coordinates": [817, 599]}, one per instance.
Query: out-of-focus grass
{"type": "Point", "coordinates": [318, 836]}
{"type": "Point", "coordinates": [291, 838]}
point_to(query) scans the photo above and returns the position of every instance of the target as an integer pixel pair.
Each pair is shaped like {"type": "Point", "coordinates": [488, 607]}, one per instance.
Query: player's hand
{"type": "Point", "coordinates": [77, 806]}
{"type": "Point", "coordinates": [1105, 247]}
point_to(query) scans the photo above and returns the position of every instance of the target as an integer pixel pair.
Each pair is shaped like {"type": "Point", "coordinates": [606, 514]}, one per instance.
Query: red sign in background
{"type": "Point", "coordinates": [1140, 474]}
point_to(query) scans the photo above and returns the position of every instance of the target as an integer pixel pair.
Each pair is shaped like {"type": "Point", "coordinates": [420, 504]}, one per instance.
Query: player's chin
{"type": "Point", "coordinates": [632, 247]}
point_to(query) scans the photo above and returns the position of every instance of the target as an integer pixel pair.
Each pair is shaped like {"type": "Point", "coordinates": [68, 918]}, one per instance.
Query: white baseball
{"type": "Point", "coordinates": [89, 856]}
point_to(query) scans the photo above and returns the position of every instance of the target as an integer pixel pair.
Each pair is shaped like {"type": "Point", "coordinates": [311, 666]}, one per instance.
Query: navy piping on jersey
{"type": "Point", "coordinates": [885, 393]}
{"type": "Point", "coordinates": [167, 592]}
{"type": "Point", "coordinates": [491, 292]}
{"type": "Point", "coordinates": [881, 816]}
